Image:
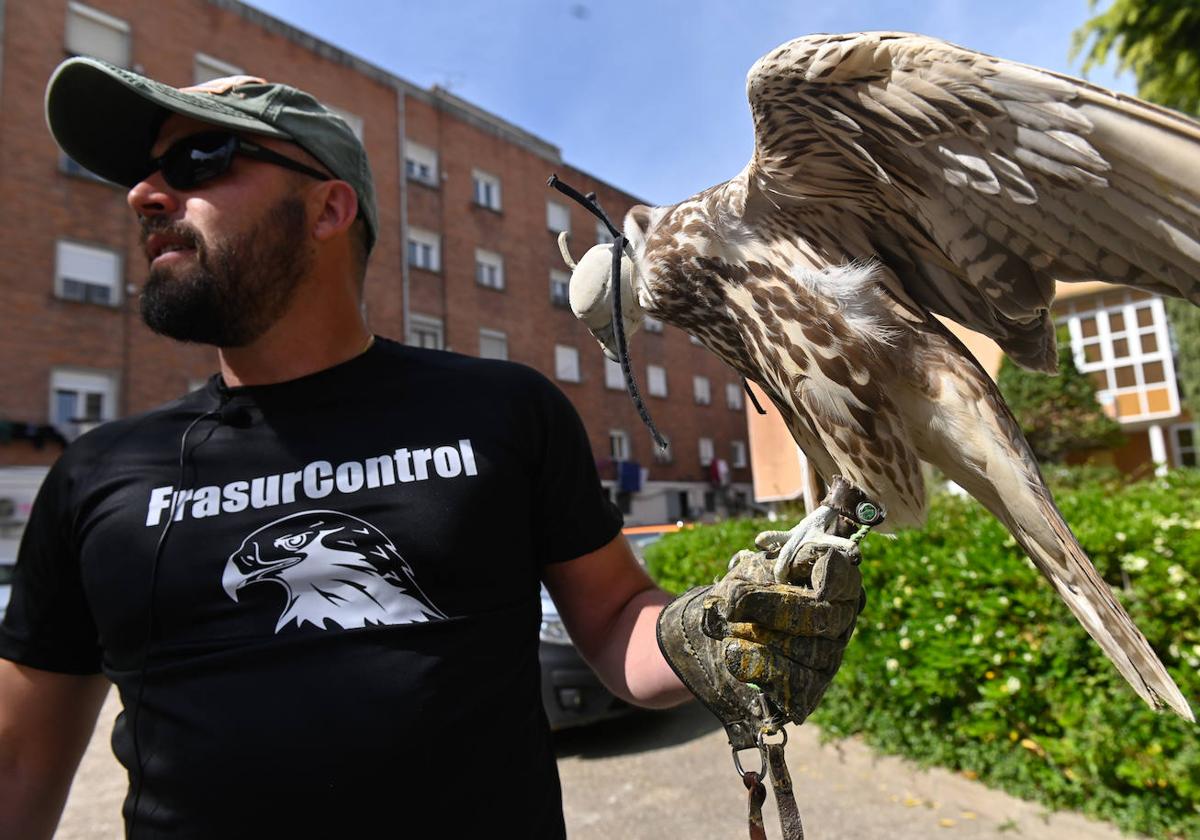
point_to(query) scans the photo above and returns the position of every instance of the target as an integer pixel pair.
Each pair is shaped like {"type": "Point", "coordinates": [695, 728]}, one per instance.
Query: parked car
{"type": "Point", "coordinates": [572, 694]}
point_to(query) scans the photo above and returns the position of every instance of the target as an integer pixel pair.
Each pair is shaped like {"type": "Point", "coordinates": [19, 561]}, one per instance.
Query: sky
{"type": "Point", "coordinates": [650, 96]}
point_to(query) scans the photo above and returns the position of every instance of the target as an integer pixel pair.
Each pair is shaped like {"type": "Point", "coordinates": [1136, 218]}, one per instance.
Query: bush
{"type": "Point", "coordinates": [965, 657]}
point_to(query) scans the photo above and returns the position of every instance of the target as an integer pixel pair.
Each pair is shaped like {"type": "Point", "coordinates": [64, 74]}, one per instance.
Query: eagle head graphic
{"type": "Point", "coordinates": [336, 571]}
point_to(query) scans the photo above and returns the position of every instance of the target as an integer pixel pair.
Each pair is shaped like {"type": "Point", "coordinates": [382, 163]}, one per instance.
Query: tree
{"type": "Point", "coordinates": [1058, 414]}
{"type": "Point", "coordinates": [1159, 40]}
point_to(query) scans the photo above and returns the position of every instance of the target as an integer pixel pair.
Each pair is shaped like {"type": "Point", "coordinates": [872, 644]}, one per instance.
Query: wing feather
{"type": "Point", "coordinates": [1003, 178]}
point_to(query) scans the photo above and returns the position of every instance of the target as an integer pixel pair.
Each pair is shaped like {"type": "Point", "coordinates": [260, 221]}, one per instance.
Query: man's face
{"type": "Point", "coordinates": [227, 257]}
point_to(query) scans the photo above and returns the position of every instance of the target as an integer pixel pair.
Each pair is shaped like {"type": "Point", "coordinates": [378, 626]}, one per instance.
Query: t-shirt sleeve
{"type": "Point", "coordinates": [572, 509]}
{"type": "Point", "coordinates": [49, 624]}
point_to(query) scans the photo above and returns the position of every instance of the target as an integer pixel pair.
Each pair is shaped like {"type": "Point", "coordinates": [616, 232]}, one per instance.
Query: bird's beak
{"type": "Point", "coordinates": [607, 336]}
{"type": "Point", "coordinates": [232, 579]}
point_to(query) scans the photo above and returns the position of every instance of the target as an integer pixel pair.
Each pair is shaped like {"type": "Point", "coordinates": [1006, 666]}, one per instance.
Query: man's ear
{"type": "Point", "coordinates": [337, 211]}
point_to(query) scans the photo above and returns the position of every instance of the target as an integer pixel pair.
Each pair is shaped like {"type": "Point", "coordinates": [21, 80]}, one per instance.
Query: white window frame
{"type": "Point", "coordinates": [489, 269]}
{"type": "Point", "coordinates": [206, 67]}
{"type": "Point", "coordinates": [82, 383]}
{"type": "Point", "coordinates": [1132, 334]}
{"type": "Point", "coordinates": [560, 288]}
{"type": "Point", "coordinates": [566, 363]}
{"type": "Point", "coordinates": [603, 236]}
{"type": "Point", "coordinates": [614, 377]}
{"type": "Point", "coordinates": [702, 390]}
{"type": "Point", "coordinates": [421, 164]}
{"type": "Point", "coordinates": [706, 451]}
{"type": "Point", "coordinates": [426, 331]}
{"type": "Point", "coordinates": [737, 449]}
{"type": "Point", "coordinates": [656, 380]}
{"type": "Point", "coordinates": [734, 396]}
{"type": "Point", "coordinates": [1179, 449]}
{"type": "Point", "coordinates": [618, 444]}
{"type": "Point", "coordinates": [426, 246]}
{"type": "Point", "coordinates": [485, 187]}
{"type": "Point", "coordinates": [493, 335]}
{"type": "Point", "coordinates": [558, 217]}
{"type": "Point", "coordinates": [651, 324]}
{"type": "Point", "coordinates": [352, 119]}
{"type": "Point", "coordinates": [82, 19]}
{"type": "Point", "coordinates": [64, 250]}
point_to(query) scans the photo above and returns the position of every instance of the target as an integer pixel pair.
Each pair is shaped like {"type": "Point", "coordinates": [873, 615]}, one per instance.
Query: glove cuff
{"type": "Point", "coordinates": [699, 662]}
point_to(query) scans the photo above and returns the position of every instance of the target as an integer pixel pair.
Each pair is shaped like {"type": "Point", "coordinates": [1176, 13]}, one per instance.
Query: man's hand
{"type": "Point", "coordinates": [751, 631]}
{"type": "Point", "coordinates": [787, 637]}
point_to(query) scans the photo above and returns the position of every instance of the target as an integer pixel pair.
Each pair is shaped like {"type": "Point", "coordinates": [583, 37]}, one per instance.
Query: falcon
{"type": "Point", "coordinates": [896, 178]}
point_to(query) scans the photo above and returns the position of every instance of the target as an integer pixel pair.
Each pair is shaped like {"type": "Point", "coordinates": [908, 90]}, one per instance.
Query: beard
{"type": "Point", "coordinates": [236, 288]}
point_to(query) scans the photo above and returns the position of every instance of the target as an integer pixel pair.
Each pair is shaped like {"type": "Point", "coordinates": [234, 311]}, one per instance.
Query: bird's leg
{"type": "Point", "coordinates": [785, 545]}
{"type": "Point", "coordinates": [844, 516]}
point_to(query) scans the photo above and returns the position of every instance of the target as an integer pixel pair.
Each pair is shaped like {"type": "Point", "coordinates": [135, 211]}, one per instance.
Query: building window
{"type": "Point", "coordinates": [656, 380]}
{"type": "Point", "coordinates": [353, 120]}
{"type": "Point", "coordinates": [652, 325]}
{"type": "Point", "coordinates": [1186, 437]}
{"type": "Point", "coordinates": [558, 217]}
{"type": "Point", "coordinates": [603, 236]}
{"type": "Point", "coordinates": [80, 400]}
{"type": "Point", "coordinates": [424, 250]}
{"type": "Point", "coordinates": [420, 164]}
{"type": "Point", "coordinates": [706, 451]}
{"type": "Point", "coordinates": [426, 331]}
{"type": "Point", "coordinates": [566, 363]}
{"type": "Point", "coordinates": [487, 190]}
{"type": "Point", "coordinates": [560, 288]}
{"type": "Point", "coordinates": [489, 269]}
{"type": "Point", "coordinates": [205, 68]}
{"type": "Point", "coordinates": [614, 377]}
{"type": "Point", "coordinates": [738, 448]}
{"type": "Point", "coordinates": [618, 445]}
{"type": "Point", "coordinates": [87, 274]}
{"type": "Point", "coordinates": [493, 344]}
{"type": "Point", "coordinates": [99, 35]}
{"type": "Point", "coordinates": [1122, 344]}
{"type": "Point", "coordinates": [661, 455]}
{"type": "Point", "coordinates": [733, 396]}
{"type": "Point", "coordinates": [702, 390]}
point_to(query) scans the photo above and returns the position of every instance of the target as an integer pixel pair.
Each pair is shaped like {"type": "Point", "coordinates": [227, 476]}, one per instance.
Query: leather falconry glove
{"type": "Point", "coordinates": [760, 647]}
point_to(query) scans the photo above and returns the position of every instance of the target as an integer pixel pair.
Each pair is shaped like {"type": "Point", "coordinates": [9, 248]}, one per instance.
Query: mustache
{"type": "Point", "coordinates": [148, 226]}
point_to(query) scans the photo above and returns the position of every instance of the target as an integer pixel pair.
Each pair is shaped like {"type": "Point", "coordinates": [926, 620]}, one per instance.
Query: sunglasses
{"type": "Point", "coordinates": [202, 157]}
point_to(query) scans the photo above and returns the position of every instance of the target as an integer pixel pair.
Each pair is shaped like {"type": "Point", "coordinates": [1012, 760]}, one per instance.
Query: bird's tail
{"type": "Point", "coordinates": [1031, 516]}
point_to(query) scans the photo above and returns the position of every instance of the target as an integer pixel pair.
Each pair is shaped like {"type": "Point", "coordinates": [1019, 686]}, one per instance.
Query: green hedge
{"type": "Point", "coordinates": [966, 658]}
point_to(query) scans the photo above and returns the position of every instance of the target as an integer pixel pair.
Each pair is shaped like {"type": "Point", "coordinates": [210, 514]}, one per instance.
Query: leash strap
{"type": "Point", "coordinates": [756, 795]}
{"type": "Point", "coordinates": [785, 800]}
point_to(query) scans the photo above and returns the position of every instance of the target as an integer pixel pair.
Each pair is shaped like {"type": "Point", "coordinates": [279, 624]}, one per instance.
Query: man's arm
{"type": "Point", "coordinates": [46, 720]}
{"type": "Point", "coordinates": [609, 606]}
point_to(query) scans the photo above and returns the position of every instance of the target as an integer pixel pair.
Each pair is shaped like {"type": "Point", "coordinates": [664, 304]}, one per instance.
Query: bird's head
{"type": "Point", "coordinates": [591, 289]}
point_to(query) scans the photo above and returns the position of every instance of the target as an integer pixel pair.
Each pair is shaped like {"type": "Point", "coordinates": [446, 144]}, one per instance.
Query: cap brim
{"type": "Point", "coordinates": [107, 118]}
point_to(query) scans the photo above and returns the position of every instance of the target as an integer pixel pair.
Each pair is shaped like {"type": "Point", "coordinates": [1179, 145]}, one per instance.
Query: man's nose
{"type": "Point", "coordinates": [151, 196]}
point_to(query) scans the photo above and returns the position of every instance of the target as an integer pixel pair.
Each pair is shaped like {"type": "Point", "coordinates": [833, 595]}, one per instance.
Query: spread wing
{"type": "Point", "coordinates": [979, 181]}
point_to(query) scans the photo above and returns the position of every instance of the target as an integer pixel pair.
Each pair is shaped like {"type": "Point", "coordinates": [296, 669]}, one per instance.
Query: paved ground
{"type": "Point", "coordinates": [658, 776]}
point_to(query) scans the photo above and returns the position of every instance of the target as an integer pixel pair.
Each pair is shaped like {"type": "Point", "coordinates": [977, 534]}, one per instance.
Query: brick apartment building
{"type": "Point", "coordinates": [466, 260]}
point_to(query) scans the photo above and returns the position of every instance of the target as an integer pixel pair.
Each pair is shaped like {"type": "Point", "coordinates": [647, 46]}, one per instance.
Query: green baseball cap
{"type": "Point", "coordinates": [107, 119]}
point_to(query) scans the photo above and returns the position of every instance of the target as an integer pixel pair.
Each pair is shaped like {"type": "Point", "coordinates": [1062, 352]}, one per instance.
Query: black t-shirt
{"type": "Point", "coordinates": [345, 609]}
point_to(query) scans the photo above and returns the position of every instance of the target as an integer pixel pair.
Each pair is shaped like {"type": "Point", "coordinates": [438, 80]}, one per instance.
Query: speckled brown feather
{"type": "Point", "coordinates": [895, 178]}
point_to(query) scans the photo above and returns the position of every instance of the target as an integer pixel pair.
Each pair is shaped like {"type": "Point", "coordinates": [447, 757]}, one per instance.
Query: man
{"type": "Point", "coordinates": [315, 580]}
